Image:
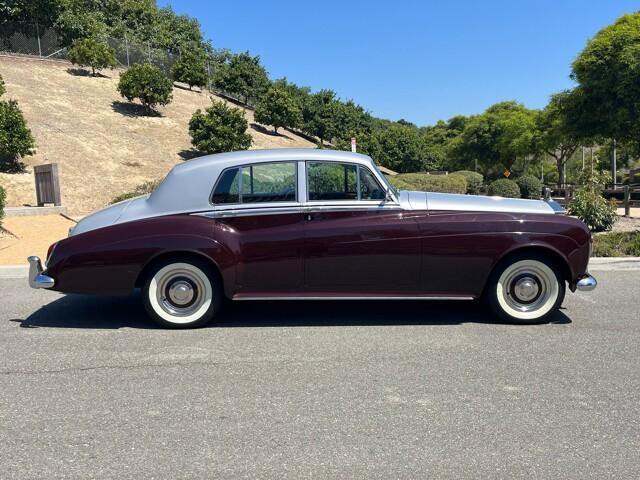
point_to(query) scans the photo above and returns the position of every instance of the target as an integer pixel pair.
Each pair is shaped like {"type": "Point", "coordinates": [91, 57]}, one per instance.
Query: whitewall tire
{"type": "Point", "coordinates": [182, 293]}
{"type": "Point", "coordinates": [525, 289]}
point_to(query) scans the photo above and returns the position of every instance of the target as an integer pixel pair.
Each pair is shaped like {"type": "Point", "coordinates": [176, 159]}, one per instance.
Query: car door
{"type": "Point", "coordinates": [355, 241]}
{"type": "Point", "coordinates": [258, 208]}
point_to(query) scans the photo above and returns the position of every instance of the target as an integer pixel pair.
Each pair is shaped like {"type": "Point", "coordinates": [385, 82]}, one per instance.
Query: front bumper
{"type": "Point", "coordinates": [586, 284]}
{"type": "Point", "coordinates": [36, 278]}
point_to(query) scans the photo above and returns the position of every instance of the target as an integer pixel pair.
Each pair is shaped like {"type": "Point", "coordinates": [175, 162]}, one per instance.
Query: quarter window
{"type": "Point", "coordinates": [370, 189]}
{"type": "Point", "coordinates": [260, 183]}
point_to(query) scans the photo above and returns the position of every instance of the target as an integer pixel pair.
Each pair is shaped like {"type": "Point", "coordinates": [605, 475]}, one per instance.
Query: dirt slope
{"type": "Point", "coordinates": [101, 146]}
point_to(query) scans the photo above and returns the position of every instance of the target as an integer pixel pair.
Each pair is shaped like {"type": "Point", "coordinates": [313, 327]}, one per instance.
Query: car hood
{"type": "Point", "coordinates": [475, 203]}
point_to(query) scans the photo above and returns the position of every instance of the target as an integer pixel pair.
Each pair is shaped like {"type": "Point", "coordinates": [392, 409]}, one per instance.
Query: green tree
{"type": "Point", "coordinates": [279, 109]}
{"type": "Point", "coordinates": [191, 68]}
{"type": "Point", "coordinates": [320, 115]}
{"type": "Point", "coordinates": [91, 52]}
{"type": "Point", "coordinates": [146, 83]}
{"type": "Point", "coordinates": [242, 76]}
{"type": "Point", "coordinates": [16, 139]}
{"type": "Point", "coordinates": [555, 134]}
{"type": "Point", "coordinates": [608, 76]}
{"type": "Point", "coordinates": [399, 148]}
{"type": "Point", "coordinates": [219, 129]}
{"type": "Point", "coordinates": [3, 89]}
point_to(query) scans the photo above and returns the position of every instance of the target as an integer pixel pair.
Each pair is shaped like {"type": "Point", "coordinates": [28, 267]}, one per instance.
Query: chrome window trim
{"type": "Point", "coordinates": [239, 167]}
{"type": "Point", "coordinates": [246, 210]}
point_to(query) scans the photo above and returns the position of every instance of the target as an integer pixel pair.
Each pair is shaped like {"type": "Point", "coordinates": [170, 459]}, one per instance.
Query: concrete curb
{"type": "Point", "coordinates": [596, 264]}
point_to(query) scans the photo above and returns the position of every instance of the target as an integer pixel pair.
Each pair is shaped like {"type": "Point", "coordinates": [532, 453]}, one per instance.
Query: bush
{"type": "Point", "coordinates": [147, 83]}
{"type": "Point", "coordinates": [617, 244]}
{"type": "Point", "coordinates": [142, 189]}
{"type": "Point", "coordinates": [3, 198]}
{"type": "Point", "coordinates": [430, 183]}
{"type": "Point", "coordinates": [474, 181]}
{"type": "Point", "coordinates": [2, 87]}
{"type": "Point", "coordinates": [90, 52]}
{"type": "Point", "coordinates": [191, 68]}
{"type": "Point", "coordinates": [503, 187]}
{"type": "Point", "coordinates": [530, 186]}
{"type": "Point", "coordinates": [219, 129]}
{"type": "Point", "coordinates": [16, 139]}
{"type": "Point", "coordinates": [278, 109]}
{"type": "Point", "coordinates": [590, 207]}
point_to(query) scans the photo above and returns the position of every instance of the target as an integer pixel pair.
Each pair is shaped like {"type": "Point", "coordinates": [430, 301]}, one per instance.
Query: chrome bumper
{"type": "Point", "coordinates": [586, 284]}
{"type": "Point", "coordinates": [36, 279]}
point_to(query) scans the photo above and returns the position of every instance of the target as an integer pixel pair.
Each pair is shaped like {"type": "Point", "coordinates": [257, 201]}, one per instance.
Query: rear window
{"type": "Point", "coordinates": [260, 183]}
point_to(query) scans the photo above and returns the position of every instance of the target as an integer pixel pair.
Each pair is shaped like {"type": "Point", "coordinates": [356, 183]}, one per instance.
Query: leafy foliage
{"type": "Point", "coordinates": [608, 76]}
{"type": "Point", "coordinates": [530, 187]}
{"type": "Point", "coordinates": [475, 181]}
{"type": "Point", "coordinates": [430, 183]}
{"type": "Point", "coordinates": [190, 68]}
{"type": "Point", "coordinates": [146, 83]}
{"type": "Point", "coordinates": [590, 207]}
{"type": "Point", "coordinates": [503, 187]}
{"type": "Point", "coordinates": [16, 139]}
{"type": "Point", "coordinates": [399, 148]}
{"type": "Point", "coordinates": [219, 129]}
{"type": "Point", "coordinates": [320, 115]}
{"type": "Point", "coordinates": [90, 52]}
{"type": "Point", "coordinates": [142, 189]}
{"type": "Point", "coordinates": [617, 244]}
{"type": "Point", "coordinates": [3, 89]}
{"type": "Point", "coordinates": [279, 109]}
{"type": "Point", "coordinates": [242, 75]}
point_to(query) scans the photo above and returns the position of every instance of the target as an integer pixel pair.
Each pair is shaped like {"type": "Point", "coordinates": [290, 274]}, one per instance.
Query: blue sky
{"type": "Point", "coordinates": [422, 61]}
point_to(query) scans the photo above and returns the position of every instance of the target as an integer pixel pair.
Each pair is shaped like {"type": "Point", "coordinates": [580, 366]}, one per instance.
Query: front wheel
{"type": "Point", "coordinates": [525, 290]}
{"type": "Point", "coordinates": [182, 293]}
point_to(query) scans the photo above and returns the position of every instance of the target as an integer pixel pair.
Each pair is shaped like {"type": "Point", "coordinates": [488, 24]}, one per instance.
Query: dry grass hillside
{"type": "Point", "coordinates": [102, 147]}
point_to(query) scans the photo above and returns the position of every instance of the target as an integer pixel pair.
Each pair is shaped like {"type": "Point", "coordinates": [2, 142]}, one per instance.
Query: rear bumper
{"type": "Point", "coordinates": [36, 278]}
{"type": "Point", "coordinates": [586, 284]}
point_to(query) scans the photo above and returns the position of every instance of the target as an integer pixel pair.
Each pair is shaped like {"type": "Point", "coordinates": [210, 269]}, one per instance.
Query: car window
{"type": "Point", "coordinates": [332, 181]}
{"type": "Point", "coordinates": [370, 189]}
{"type": "Point", "coordinates": [228, 188]}
{"type": "Point", "coordinates": [269, 182]}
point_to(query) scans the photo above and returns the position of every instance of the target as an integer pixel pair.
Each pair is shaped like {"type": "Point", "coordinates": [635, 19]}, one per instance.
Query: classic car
{"type": "Point", "coordinates": [294, 224]}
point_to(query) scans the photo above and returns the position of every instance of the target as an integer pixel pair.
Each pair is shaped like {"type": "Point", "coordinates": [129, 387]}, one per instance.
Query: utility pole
{"type": "Point", "coordinates": [613, 165]}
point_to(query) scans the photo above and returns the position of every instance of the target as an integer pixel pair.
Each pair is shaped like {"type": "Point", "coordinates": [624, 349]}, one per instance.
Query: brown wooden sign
{"type": "Point", "coordinates": [47, 184]}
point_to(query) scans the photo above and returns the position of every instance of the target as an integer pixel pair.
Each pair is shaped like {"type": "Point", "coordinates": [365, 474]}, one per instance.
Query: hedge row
{"type": "Point", "coordinates": [430, 183]}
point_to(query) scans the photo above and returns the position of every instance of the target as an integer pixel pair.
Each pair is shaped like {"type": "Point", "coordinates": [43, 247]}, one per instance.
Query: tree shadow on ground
{"type": "Point", "coordinates": [190, 153]}
{"type": "Point", "coordinates": [268, 131]}
{"type": "Point", "coordinates": [184, 86]}
{"type": "Point", "coordinates": [129, 109]}
{"type": "Point", "coordinates": [81, 72]}
{"type": "Point", "coordinates": [91, 312]}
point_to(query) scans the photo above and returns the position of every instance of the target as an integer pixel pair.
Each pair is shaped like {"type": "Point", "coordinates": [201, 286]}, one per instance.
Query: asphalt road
{"type": "Point", "coordinates": [91, 389]}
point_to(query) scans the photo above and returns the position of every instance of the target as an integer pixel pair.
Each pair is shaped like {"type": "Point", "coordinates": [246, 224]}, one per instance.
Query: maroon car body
{"type": "Point", "coordinates": [392, 245]}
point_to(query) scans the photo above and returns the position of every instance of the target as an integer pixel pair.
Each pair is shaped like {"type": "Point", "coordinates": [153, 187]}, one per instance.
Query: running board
{"type": "Point", "coordinates": [326, 297]}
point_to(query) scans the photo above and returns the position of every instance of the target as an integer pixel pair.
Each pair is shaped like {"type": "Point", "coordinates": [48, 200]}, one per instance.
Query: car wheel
{"type": "Point", "coordinates": [525, 290]}
{"type": "Point", "coordinates": [182, 294]}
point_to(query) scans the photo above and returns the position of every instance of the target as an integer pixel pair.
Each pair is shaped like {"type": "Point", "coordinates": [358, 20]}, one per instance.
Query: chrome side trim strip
{"type": "Point", "coordinates": [306, 208]}
{"type": "Point", "coordinates": [379, 297]}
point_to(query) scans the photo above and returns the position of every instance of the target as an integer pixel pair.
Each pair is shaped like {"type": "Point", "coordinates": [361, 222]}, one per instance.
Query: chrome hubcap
{"type": "Point", "coordinates": [526, 289]}
{"type": "Point", "coordinates": [181, 292]}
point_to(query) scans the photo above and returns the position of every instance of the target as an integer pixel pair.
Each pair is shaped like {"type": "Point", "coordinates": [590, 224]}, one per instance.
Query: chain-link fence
{"type": "Point", "coordinates": [31, 39]}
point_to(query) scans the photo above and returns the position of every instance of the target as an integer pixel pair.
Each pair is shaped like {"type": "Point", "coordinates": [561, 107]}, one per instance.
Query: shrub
{"type": "Point", "coordinates": [90, 52]}
{"type": "Point", "coordinates": [530, 186]}
{"type": "Point", "coordinates": [503, 187]}
{"type": "Point", "coordinates": [2, 87]}
{"type": "Point", "coordinates": [430, 183]}
{"type": "Point", "coordinates": [142, 189]}
{"type": "Point", "coordinates": [219, 129]}
{"type": "Point", "coordinates": [16, 139]}
{"type": "Point", "coordinates": [617, 244]}
{"type": "Point", "coordinates": [474, 181]}
{"type": "Point", "coordinates": [3, 197]}
{"type": "Point", "coordinates": [278, 109]}
{"type": "Point", "coordinates": [191, 68]}
{"type": "Point", "coordinates": [590, 207]}
{"type": "Point", "coordinates": [147, 83]}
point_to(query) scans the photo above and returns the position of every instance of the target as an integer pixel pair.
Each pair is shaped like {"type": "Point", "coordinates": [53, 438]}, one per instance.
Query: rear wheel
{"type": "Point", "coordinates": [182, 293]}
{"type": "Point", "coordinates": [525, 289]}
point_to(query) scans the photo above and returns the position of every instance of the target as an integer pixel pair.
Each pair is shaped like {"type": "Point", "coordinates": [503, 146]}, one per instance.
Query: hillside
{"type": "Point", "coordinates": [101, 146]}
